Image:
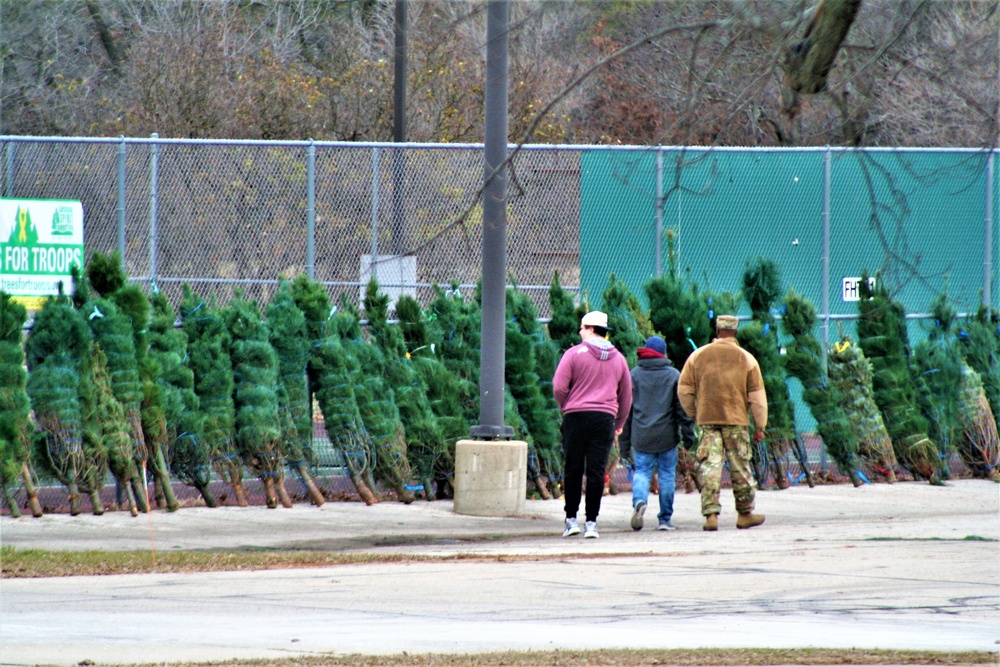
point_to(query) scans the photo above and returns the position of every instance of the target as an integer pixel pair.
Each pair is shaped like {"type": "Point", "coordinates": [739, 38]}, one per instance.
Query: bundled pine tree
{"type": "Point", "coordinates": [964, 421]}
{"type": "Point", "coordinates": [16, 429]}
{"type": "Point", "coordinates": [804, 360]}
{"type": "Point", "coordinates": [425, 444]}
{"type": "Point", "coordinates": [107, 277]}
{"type": "Point", "coordinates": [883, 338]}
{"type": "Point", "coordinates": [564, 326]}
{"type": "Point", "coordinates": [850, 374]}
{"type": "Point", "coordinates": [762, 290]}
{"type": "Point", "coordinates": [376, 403]}
{"type": "Point", "coordinates": [678, 310]}
{"type": "Point", "coordinates": [255, 378]}
{"type": "Point", "coordinates": [189, 458]}
{"type": "Point", "coordinates": [329, 370]}
{"type": "Point", "coordinates": [107, 440]}
{"type": "Point", "coordinates": [454, 323]}
{"type": "Point", "coordinates": [620, 304]}
{"type": "Point", "coordinates": [978, 340]}
{"type": "Point", "coordinates": [444, 390]}
{"type": "Point", "coordinates": [286, 326]}
{"type": "Point", "coordinates": [977, 443]}
{"type": "Point", "coordinates": [524, 342]}
{"type": "Point", "coordinates": [59, 340]}
{"type": "Point", "coordinates": [113, 332]}
{"type": "Point", "coordinates": [212, 367]}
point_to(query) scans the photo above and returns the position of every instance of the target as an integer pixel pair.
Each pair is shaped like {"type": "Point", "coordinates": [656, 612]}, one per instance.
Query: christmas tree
{"type": "Point", "coordinates": [376, 402]}
{"type": "Point", "coordinates": [425, 444]}
{"type": "Point", "coordinates": [110, 441]}
{"type": "Point", "coordinates": [255, 401]}
{"type": "Point", "coordinates": [564, 326]}
{"type": "Point", "coordinates": [524, 342]}
{"type": "Point", "coordinates": [58, 342]}
{"type": "Point", "coordinates": [331, 382]}
{"type": "Point", "coordinates": [964, 420]}
{"type": "Point", "coordinates": [621, 306]}
{"type": "Point", "coordinates": [106, 276]}
{"type": "Point", "coordinates": [443, 389]}
{"type": "Point", "coordinates": [850, 373]}
{"type": "Point", "coordinates": [212, 368]}
{"type": "Point", "coordinates": [980, 345]}
{"type": "Point", "coordinates": [804, 360]}
{"type": "Point", "coordinates": [16, 429]}
{"type": "Point", "coordinates": [762, 290]}
{"type": "Point", "coordinates": [678, 310]}
{"type": "Point", "coordinates": [190, 458]}
{"type": "Point", "coordinates": [883, 338]}
{"type": "Point", "coordinates": [286, 326]}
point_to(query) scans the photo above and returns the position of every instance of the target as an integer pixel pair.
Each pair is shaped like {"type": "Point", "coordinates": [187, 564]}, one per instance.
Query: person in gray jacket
{"type": "Point", "coordinates": [654, 428]}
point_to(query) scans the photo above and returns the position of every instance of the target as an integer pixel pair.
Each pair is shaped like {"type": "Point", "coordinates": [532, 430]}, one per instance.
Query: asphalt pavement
{"type": "Point", "coordinates": [903, 566]}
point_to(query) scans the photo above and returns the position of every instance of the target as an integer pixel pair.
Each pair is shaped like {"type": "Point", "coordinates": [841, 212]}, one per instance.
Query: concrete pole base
{"type": "Point", "coordinates": [490, 477]}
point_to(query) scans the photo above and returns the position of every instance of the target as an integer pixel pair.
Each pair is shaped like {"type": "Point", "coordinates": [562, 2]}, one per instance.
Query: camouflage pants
{"type": "Point", "coordinates": [719, 444]}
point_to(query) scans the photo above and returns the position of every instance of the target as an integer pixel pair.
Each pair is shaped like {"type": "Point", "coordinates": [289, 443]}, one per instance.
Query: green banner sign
{"type": "Point", "coordinates": [40, 241]}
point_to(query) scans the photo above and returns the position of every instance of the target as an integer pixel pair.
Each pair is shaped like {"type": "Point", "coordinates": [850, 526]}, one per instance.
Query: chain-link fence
{"type": "Point", "coordinates": [223, 216]}
{"type": "Point", "coordinates": [226, 216]}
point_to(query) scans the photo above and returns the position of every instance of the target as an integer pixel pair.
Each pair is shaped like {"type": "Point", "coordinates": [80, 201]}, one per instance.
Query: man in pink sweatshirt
{"type": "Point", "coordinates": [593, 388]}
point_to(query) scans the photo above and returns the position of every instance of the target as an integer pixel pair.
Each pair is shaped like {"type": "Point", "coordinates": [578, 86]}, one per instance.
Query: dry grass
{"type": "Point", "coordinates": [636, 658]}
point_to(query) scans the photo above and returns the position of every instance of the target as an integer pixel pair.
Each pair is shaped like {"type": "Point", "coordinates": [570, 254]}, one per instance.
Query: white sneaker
{"type": "Point", "coordinates": [640, 510]}
{"type": "Point", "coordinates": [590, 529]}
{"type": "Point", "coordinates": [666, 525]}
{"type": "Point", "coordinates": [572, 528]}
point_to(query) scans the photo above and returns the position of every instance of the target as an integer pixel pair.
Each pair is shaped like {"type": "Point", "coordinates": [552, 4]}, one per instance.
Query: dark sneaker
{"type": "Point", "coordinates": [666, 525]}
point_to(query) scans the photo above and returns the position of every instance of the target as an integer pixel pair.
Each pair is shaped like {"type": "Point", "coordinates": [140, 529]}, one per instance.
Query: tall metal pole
{"type": "Point", "coordinates": [399, 242]}
{"type": "Point", "coordinates": [493, 339]}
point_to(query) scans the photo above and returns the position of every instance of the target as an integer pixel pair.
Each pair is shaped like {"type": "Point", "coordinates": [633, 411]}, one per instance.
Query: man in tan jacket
{"type": "Point", "coordinates": [719, 385]}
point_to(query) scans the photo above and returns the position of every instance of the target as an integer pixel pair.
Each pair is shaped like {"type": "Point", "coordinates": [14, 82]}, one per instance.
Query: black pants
{"type": "Point", "coordinates": [587, 440]}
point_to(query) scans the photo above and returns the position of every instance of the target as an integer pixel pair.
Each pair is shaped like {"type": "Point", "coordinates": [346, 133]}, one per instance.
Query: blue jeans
{"type": "Point", "coordinates": [666, 470]}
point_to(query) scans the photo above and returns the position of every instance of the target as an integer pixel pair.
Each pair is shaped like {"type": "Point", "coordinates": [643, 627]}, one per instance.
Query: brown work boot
{"type": "Point", "coordinates": [711, 522]}
{"type": "Point", "coordinates": [782, 482]}
{"type": "Point", "coordinates": [748, 520]}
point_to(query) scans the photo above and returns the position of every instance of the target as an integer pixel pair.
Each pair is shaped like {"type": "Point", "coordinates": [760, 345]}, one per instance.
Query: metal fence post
{"type": "Point", "coordinates": [825, 288]}
{"type": "Point", "coordinates": [311, 210]}
{"type": "Point", "coordinates": [988, 234]}
{"type": "Point", "coordinates": [154, 174]}
{"type": "Point", "coordinates": [120, 207]}
{"type": "Point", "coordinates": [375, 198]}
{"type": "Point", "coordinates": [11, 150]}
{"type": "Point", "coordinates": [658, 261]}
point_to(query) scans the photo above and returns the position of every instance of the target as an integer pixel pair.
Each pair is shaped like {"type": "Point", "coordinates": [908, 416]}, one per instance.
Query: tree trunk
{"type": "Point", "coordinates": [95, 501]}
{"type": "Point", "coordinates": [74, 498]}
{"type": "Point", "coordinates": [283, 497]}
{"type": "Point", "coordinates": [162, 476]}
{"type": "Point", "coordinates": [305, 475]}
{"type": "Point", "coordinates": [206, 493]}
{"type": "Point", "coordinates": [15, 511]}
{"type": "Point", "coordinates": [31, 490]}
{"type": "Point", "coordinates": [139, 490]}
{"type": "Point", "coordinates": [270, 496]}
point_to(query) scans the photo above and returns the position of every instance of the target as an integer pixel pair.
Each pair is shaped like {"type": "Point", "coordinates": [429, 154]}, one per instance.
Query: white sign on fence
{"type": "Point", "coordinates": [40, 241]}
{"type": "Point", "coordinates": [851, 288]}
{"type": "Point", "coordinates": [396, 275]}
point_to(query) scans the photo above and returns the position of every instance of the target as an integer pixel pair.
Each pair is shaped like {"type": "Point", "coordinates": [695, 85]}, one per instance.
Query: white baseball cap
{"type": "Point", "coordinates": [595, 318]}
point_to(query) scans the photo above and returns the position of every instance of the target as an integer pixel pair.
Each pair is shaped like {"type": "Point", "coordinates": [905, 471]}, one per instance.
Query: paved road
{"type": "Point", "coordinates": [908, 566]}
